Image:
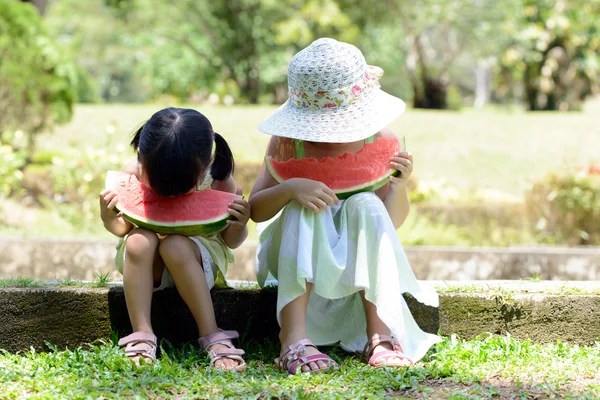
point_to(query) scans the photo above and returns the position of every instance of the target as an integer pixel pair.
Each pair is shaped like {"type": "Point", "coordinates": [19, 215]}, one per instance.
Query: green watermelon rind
{"type": "Point", "coordinates": [190, 228]}
{"type": "Point", "coordinates": [343, 194]}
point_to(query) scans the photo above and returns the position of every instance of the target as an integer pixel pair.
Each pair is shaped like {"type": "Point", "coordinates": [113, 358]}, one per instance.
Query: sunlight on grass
{"type": "Point", "coordinates": [484, 148]}
{"type": "Point", "coordinates": [485, 366]}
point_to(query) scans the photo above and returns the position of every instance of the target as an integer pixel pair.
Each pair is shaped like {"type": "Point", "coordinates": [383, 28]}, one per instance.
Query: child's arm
{"type": "Point", "coordinates": [237, 231]}
{"type": "Point", "coordinates": [113, 222]}
{"type": "Point", "coordinates": [268, 197]}
{"type": "Point", "coordinates": [396, 199]}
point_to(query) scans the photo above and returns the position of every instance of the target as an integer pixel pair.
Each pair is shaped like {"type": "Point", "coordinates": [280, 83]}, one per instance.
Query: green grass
{"type": "Point", "coordinates": [19, 282]}
{"type": "Point", "coordinates": [488, 151]}
{"type": "Point", "coordinates": [484, 148]}
{"type": "Point", "coordinates": [490, 367]}
{"type": "Point", "coordinates": [100, 281]}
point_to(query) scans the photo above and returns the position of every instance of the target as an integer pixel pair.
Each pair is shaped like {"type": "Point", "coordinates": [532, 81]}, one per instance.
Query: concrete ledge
{"type": "Point", "coordinates": [81, 259]}
{"type": "Point", "coordinates": [72, 317]}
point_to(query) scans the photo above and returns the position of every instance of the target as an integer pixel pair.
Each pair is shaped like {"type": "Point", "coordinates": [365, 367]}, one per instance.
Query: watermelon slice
{"type": "Point", "coordinates": [366, 170]}
{"type": "Point", "coordinates": [198, 213]}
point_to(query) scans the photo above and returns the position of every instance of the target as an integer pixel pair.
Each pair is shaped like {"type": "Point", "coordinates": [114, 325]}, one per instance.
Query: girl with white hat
{"type": "Point", "coordinates": [340, 268]}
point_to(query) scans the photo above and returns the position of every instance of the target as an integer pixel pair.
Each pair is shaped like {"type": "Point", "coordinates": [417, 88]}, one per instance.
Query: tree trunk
{"type": "Point", "coordinates": [483, 84]}
{"type": "Point", "coordinates": [432, 94]}
{"type": "Point", "coordinates": [39, 4]}
{"type": "Point", "coordinates": [531, 90]}
{"type": "Point", "coordinates": [429, 92]}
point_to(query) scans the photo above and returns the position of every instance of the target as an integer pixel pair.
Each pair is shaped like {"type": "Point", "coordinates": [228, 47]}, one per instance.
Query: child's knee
{"type": "Point", "coordinates": [176, 249]}
{"type": "Point", "coordinates": [364, 201]}
{"type": "Point", "coordinates": [141, 243]}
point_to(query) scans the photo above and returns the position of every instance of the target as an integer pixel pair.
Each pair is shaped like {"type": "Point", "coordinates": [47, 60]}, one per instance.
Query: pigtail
{"type": "Point", "coordinates": [135, 142]}
{"type": "Point", "coordinates": [223, 164]}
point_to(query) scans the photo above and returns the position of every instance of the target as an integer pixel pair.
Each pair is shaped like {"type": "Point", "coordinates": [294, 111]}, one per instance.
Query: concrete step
{"type": "Point", "coordinates": [46, 259]}
{"type": "Point", "coordinates": [540, 311]}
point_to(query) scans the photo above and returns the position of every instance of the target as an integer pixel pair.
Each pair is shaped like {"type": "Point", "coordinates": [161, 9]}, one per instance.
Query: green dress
{"type": "Point", "coordinates": [342, 250]}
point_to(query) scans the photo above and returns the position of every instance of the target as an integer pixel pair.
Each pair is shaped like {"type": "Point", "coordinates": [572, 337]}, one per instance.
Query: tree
{"type": "Point", "coordinates": [39, 4]}
{"type": "Point", "coordinates": [434, 35]}
{"type": "Point", "coordinates": [225, 38]}
{"type": "Point", "coordinates": [36, 82]}
{"type": "Point", "coordinates": [555, 52]}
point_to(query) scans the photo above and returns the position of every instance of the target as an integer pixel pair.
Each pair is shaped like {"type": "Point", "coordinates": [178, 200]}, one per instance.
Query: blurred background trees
{"type": "Point", "coordinates": [543, 54]}
{"type": "Point", "coordinates": [535, 55]}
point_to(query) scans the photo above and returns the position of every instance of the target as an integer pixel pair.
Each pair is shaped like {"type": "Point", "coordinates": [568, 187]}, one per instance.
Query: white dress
{"type": "Point", "coordinates": [342, 250]}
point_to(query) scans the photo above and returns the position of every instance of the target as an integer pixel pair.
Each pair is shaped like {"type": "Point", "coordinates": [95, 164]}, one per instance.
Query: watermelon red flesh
{"type": "Point", "coordinates": [350, 173]}
{"type": "Point", "coordinates": [198, 213]}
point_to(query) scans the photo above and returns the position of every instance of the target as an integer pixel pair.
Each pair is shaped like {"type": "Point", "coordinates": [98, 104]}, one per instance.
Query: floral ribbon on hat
{"type": "Point", "coordinates": [339, 97]}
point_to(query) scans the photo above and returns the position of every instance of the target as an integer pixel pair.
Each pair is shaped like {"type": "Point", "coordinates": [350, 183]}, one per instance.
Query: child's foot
{"type": "Point", "coordinates": [303, 355]}
{"type": "Point", "coordinates": [222, 353]}
{"type": "Point", "coordinates": [385, 351]}
{"type": "Point", "coordinates": [140, 345]}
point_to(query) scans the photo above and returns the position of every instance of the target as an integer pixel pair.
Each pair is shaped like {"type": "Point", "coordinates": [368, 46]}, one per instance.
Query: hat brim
{"type": "Point", "coordinates": [351, 123]}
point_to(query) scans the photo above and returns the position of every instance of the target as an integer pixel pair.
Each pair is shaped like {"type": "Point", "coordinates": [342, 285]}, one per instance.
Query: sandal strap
{"type": "Point", "coordinates": [302, 361]}
{"type": "Point", "coordinates": [241, 366]}
{"type": "Point", "coordinates": [375, 341]}
{"type": "Point", "coordinates": [138, 337]}
{"type": "Point", "coordinates": [294, 356]}
{"type": "Point", "coordinates": [221, 352]}
{"type": "Point", "coordinates": [139, 344]}
{"type": "Point", "coordinates": [387, 353]}
{"type": "Point", "coordinates": [298, 347]}
{"type": "Point", "coordinates": [221, 337]}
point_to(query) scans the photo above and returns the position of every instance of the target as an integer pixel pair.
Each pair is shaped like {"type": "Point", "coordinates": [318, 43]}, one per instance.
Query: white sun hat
{"type": "Point", "coordinates": [333, 96]}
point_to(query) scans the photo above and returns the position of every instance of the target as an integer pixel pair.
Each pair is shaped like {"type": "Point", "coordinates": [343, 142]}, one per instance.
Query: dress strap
{"type": "Point", "coordinates": [299, 144]}
{"type": "Point", "coordinates": [370, 139]}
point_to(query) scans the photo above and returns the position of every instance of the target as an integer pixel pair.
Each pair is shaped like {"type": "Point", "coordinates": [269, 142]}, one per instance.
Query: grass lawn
{"type": "Point", "coordinates": [491, 367]}
{"type": "Point", "coordinates": [484, 148]}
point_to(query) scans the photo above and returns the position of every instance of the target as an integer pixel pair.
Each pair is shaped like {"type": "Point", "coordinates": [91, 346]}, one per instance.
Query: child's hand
{"type": "Point", "coordinates": [314, 195]}
{"type": "Point", "coordinates": [240, 209]}
{"type": "Point", "coordinates": [403, 162]}
{"type": "Point", "coordinates": [108, 201]}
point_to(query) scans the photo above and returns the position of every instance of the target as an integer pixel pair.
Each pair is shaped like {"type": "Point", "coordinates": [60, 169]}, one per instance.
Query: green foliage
{"type": "Point", "coordinates": [106, 47]}
{"type": "Point", "coordinates": [543, 52]}
{"type": "Point", "coordinates": [68, 282]}
{"type": "Point", "coordinates": [19, 282]}
{"type": "Point", "coordinates": [78, 177]}
{"type": "Point", "coordinates": [102, 280]}
{"type": "Point", "coordinates": [310, 20]}
{"type": "Point", "coordinates": [565, 208]}
{"type": "Point", "coordinates": [11, 176]}
{"type": "Point", "coordinates": [555, 52]}
{"type": "Point", "coordinates": [441, 42]}
{"type": "Point", "coordinates": [455, 368]}
{"type": "Point", "coordinates": [36, 82]}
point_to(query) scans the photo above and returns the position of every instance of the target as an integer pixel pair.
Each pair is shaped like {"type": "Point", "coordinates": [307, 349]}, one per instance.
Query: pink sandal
{"type": "Point", "coordinates": [140, 344]}
{"type": "Point", "coordinates": [293, 358]}
{"type": "Point", "coordinates": [223, 338]}
{"type": "Point", "coordinates": [372, 359]}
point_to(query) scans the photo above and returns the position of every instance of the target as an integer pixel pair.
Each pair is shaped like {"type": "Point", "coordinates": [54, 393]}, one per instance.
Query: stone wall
{"type": "Point", "coordinates": [82, 259]}
{"type": "Point", "coordinates": [71, 317]}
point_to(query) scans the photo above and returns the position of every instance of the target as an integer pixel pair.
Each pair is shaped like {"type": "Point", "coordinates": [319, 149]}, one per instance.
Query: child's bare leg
{"type": "Point", "coordinates": [184, 262]}
{"type": "Point", "coordinates": [376, 326]}
{"type": "Point", "coordinates": [293, 328]}
{"type": "Point", "coordinates": [142, 264]}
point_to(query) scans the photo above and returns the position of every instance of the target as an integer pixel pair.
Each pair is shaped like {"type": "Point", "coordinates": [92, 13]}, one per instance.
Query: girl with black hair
{"type": "Point", "coordinates": [175, 157]}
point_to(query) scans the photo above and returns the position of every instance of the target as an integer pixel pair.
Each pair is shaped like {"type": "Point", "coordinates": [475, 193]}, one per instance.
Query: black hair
{"type": "Point", "coordinates": [174, 148]}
